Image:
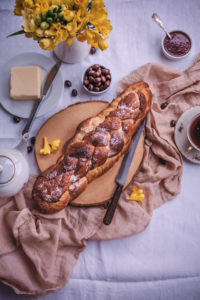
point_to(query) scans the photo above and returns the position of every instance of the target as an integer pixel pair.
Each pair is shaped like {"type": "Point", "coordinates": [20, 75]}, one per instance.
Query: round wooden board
{"type": "Point", "coordinates": [62, 125]}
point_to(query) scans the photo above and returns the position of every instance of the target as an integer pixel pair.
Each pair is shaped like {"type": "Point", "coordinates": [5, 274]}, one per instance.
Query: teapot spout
{"type": "Point", "coordinates": [22, 146]}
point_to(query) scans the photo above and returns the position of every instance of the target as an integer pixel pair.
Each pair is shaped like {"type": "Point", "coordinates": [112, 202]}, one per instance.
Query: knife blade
{"type": "Point", "coordinates": [122, 174]}
{"type": "Point", "coordinates": [49, 79]}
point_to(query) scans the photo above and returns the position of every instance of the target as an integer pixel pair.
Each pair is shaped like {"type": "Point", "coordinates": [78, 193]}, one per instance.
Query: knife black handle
{"type": "Point", "coordinates": [112, 206]}
{"type": "Point", "coordinates": [32, 117]}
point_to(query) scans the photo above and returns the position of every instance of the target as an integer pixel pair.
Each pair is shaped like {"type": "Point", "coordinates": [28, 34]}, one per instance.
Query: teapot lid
{"type": "Point", "coordinates": [7, 169]}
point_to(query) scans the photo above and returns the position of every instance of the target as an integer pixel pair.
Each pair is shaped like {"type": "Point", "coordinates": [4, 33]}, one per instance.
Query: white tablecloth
{"type": "Point", "coordinates": [162, 262]}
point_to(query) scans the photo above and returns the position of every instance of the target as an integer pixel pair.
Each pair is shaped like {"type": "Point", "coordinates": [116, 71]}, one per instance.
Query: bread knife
{"type": "Point", "coordinates": [49, 79]}
{"type": "Point", "coordinates": [123, 172]}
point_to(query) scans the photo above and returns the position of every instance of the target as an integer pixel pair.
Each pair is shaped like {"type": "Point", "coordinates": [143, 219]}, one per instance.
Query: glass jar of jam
{"type": "Point", "coordinates": [178, 46]}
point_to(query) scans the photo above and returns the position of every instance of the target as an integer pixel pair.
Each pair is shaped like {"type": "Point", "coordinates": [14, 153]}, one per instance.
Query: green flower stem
{"type": "Point", "coordinates": [16, 33]}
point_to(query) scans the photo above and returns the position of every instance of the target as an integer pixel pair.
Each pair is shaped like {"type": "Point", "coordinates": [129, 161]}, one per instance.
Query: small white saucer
{"type": "Point", "coordinates": [180, 135]}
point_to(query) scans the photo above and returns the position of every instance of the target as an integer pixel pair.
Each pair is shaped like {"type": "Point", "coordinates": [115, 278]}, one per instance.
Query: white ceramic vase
{"type": "Point", "coordinates": [74, 53]}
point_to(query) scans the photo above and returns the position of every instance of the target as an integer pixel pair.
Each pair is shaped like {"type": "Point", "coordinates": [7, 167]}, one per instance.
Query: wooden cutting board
{"type": "Point", "coordinates": [62, 125]}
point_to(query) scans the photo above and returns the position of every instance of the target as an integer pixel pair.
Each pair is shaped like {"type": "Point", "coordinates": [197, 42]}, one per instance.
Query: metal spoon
{"type": "Point", "coordinates": [156, 18]}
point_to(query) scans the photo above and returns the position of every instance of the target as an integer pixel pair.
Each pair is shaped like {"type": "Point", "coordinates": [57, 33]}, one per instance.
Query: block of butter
{"type": "Point", "coordinates": [25, 83]}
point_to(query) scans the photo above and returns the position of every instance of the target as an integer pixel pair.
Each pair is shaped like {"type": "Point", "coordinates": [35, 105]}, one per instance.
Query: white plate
{"type": "Point", "coordinates": [180, 135]}
{"type": "Point", "coordinates": [22, 108]}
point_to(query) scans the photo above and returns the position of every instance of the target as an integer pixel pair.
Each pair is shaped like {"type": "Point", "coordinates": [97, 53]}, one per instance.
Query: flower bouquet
{"type": "Point", "coordinates": [52, 21]}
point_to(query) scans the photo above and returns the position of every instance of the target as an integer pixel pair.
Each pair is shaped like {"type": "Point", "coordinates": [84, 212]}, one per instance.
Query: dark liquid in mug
{"type": "Point", "coordinates": [195, 132]}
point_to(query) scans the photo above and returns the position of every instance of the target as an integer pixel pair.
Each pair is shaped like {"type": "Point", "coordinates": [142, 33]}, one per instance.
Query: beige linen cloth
{"type": "Point", "coordinates": [38, 252]}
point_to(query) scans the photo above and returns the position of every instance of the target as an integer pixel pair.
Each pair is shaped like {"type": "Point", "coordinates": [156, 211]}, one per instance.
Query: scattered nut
{"type": "Point", "coordinates": [68, 83]}
{"type": "Point", "coordinates": [181, 128]}
{"type": "Point", "coordinates": [92, 50]}
{"type": "Point", "coordinates": [164, 105]}
{"type": "Point", "coordinates": [33, 140]}
{"type": "Point", "coordinates": [172, 123]}
{"type": "Point", "coordinates": [29, 149]}
{"type": "Point", "coordinates": [74, 93]}
{"type": "Point", "coordinates": [16, 119]}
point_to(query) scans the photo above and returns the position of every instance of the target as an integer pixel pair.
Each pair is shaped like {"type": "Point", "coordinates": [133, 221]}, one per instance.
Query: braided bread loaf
{"type": "Point", "coordinates": [97, 144]}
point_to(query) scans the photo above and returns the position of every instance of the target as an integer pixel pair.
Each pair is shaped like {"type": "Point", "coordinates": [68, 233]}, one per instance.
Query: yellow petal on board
{"type": "Point", "coordinates": [136, 195]}
{"type": "Point", "coordinates": [55, 144]}
{"type": "Point", "coordinates": [46, 148]}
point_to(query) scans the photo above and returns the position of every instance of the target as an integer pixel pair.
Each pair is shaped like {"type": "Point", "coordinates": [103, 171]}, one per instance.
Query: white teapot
{"type": "Point", "coordinates": [14, 168]}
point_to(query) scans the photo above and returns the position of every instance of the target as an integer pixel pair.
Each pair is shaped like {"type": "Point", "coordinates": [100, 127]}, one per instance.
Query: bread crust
{"type": "Point", "coordinates": [96, 145]}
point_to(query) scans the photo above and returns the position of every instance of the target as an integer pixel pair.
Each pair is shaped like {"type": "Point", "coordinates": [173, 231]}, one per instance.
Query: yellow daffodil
{"type": "Point", "coordinates": [46, 148]}
{"type": "Point", "coordinates": [81, 3]}
{"type": "Point", "coordinates": [18, 8]}
{"type": "Point", "coordinates": [39, 32]}
{"type": "Point", "coordinates": [81, 37]}
{"type": "Point", "coordinates": [136, 195]}
{"type": "Point", "coordinates": [105, 28]}
{"type": "Point", "coordinates": [57, 2]}
{"type": "Point", "coordinates": [46, 44]}
{"type": "Point", "coordinates": [81, 19]}
{"type": "Point", "coordinates": [102, 44]}
{"type": "Point", "coordinates": [55, 145]}
{"type": "Point", "coordinates": [28, 3]}
{"type": "Point", "coordinates": [97, 4]}
{"type": "Point", "coordinates": [41, 6]}
{"type": "Point", "coordinates": [69, 41]}
{"type": "Point", "coordinates": [69, 27]}
{"type": "Point", "coordinates": [68, 15]}
{"type": "Point", "coordinates": [89, 34]}
{"type": "Point", "coordinates": [98, 12]}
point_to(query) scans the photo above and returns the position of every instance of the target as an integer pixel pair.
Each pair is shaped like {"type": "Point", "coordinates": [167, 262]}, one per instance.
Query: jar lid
{"type": "Point", "coordinates": [7, 169]}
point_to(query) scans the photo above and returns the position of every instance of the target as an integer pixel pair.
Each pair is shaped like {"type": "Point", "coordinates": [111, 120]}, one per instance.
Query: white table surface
{"type": "Point", "coordinates": [163, 261]}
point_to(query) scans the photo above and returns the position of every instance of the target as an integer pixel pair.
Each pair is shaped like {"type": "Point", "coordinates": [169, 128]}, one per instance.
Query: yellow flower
{"type": "Point", "coordinates": [28, 3]}
{"type": "Point", "coordinates": [61, 35]}
{"type": "Point", "coordinates": [82, 18]}
{"type": "Point", "coordinates": [136, 195]}
{"type": "Point", "coordinates": [96, 4]}
{"type": "Point", "coordinates": [28, 21]}
{"type": "Point", "coordinates": [55, 145]}
{"type": "Point", "coordinates": [98, 12]}
{"type": "Point", "coordinates": [104, 28]}
{"type": "Point", "coordinates": [39, 32]}
{"type": "Point", "coordinates": [46, 148]}
{"type": "Point", "coordinates": [69, 27]}
{"type": "Point", "coordinates": [52, 21]}
{"type": "Point", "coordinates": [69, 41]}
{"type": "Point", "coordinates": [56, 2]}
{"type": "Point", "coordinates": [46, 44]}
{"type": "Point", "coordinates": [41, 6]}
{"type": "Point", "coordinates": [81, 37]}
{"type": "Point", "coordinates": [82, 3]}
{"type": "Point", "coordinates": [54, 30]}
{"type": "Point", "coordinates": [102, 44]}
{"type": "Point", "coordinates": [72, 28]}
{"type": "Point", "coordinates": [93, 38]}
{"type": "Point", "coordinates": [90, 35]}
{"type": "Point", "coordinates": [18, 8]}
{"type": "Point", "coordinates": [68, 15]}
